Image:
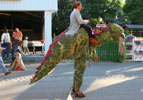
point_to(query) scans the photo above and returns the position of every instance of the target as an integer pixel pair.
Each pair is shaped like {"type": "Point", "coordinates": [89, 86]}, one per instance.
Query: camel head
{"type": "Point", "coordinates": [116, 32]}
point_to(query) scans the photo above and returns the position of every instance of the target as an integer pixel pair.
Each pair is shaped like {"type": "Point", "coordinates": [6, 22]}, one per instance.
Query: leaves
{"type": "Point", "coordinates": [133, 9]}
{"type": "Point", "coordinates": [92, 10]}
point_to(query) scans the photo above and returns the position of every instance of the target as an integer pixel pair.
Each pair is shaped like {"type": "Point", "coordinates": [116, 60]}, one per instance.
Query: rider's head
{"type": "Point", "coordinates": [77, 5]}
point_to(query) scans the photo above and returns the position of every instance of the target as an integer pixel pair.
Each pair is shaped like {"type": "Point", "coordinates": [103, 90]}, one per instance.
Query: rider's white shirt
{"type": "Point", "coordinates": [75, 22]}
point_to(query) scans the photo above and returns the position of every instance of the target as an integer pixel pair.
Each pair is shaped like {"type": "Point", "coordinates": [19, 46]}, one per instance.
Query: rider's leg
{"type": "Point", "coordinates": [90, 33]}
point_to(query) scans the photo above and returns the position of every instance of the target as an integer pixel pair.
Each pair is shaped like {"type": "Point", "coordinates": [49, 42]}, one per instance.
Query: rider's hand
{"type": "Point", "coordinates": [88, 21]}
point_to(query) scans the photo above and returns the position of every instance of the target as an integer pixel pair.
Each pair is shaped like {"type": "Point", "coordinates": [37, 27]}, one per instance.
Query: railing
{"type": "Point", "coordinates": [107, 52]}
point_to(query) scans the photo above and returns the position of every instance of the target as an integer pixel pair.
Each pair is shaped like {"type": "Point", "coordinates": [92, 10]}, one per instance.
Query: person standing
{"type": "Point", "coordinates": [25, 45]}
{"type": "Point", "coordinates": [17, 35]}
{"type": "Point", "coordinates": [2, 63]}
{"type": "Point", "coordinates": [17, 40]}
{"type": "Point", "coordinates": [5, 40]}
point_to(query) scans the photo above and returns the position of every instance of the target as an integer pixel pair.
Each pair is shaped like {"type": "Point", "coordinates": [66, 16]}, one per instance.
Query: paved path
{"type": "Point", "coordinates": [102, 81]}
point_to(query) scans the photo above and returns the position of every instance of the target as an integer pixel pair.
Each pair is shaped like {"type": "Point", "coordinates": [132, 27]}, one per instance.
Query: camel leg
{"type": "Point", "coordinates": [80, 59]}
{"type": "Point", "coordinates": [79, 72]}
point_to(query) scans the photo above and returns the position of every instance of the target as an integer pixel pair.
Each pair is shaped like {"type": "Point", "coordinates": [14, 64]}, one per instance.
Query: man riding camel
{"type": "Point", "coordinates": [74, 42]}
{"type": "Point", "coordinates": [77, 22]}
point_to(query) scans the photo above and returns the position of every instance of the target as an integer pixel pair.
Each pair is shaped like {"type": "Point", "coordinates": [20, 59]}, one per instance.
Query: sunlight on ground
{"type": "Point", "coordinates": [12, 88]}
{"type": "Point", "coordinates": [66, 73]}
{"type": "Point", "coordinates": [134, 69]}
{"type": "Point", "coordinates": [107, 81]}
{"type": "Point", "coordinates": [128, 68]}
{"type": "Point", "coordinates": [141, 90]}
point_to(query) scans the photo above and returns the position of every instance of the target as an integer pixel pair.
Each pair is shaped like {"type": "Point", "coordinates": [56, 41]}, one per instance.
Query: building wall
{"type": "Point", "coordinates": [28, 5]}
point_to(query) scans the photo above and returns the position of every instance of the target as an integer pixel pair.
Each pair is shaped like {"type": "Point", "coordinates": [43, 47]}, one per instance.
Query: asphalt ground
{"type": "Point", "coordinates": [102, 81]}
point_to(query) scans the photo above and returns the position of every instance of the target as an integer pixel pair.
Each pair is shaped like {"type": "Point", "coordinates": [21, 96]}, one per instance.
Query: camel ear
{"type": "Point", "coordinates": [123, 35]}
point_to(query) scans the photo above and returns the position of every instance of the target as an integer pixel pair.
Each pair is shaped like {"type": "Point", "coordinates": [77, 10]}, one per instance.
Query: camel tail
{"type": "Point", "coordinates": [50, 61]}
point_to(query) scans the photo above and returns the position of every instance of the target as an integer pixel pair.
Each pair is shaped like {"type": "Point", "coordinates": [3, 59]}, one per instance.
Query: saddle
{"type": "Point", "coordinates": [99, 29]}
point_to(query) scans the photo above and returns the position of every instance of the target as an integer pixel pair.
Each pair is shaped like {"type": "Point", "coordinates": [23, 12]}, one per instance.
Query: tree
{"type": "Point", "coordinates": [92, 9]}
{"type": "Point", "coordinates": [133, 9]}
{"type": "Point", "coordinates": [121, 18]}
{"type": "Point", "coordinates": [101, 8]}
{"type": "Point", "coordinates": [61, 17]}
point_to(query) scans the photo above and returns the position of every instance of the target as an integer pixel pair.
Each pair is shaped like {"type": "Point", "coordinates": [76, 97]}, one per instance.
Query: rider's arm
{"type": "Point", "coordinates": [79, 18]}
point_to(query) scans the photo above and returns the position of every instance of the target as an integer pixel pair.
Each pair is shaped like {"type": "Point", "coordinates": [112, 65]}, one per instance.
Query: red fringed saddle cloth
{"type": "Point", "coordinates": [99, 29]}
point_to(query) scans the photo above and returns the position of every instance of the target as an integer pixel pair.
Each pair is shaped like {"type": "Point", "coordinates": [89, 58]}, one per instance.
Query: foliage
{"type": "Point", "coordinates": [92, 10]}
{"type": "Point", "coordinates": [133, 9]}
{"type": "Point", "coordinates": [61, 17]}
{"type": "Point", "coordinates": [101, 8]}
{"type": "Point", "coordinates": [121, 18]}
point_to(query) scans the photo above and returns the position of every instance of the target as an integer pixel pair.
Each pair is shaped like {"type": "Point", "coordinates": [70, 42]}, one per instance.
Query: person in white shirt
{"type": "Point", "coordinates": [5, 41]}
{"type": "Point", "coordinates": [25, 45]}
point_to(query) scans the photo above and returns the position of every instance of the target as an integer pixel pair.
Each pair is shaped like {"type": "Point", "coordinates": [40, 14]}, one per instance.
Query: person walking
{"type": "Point", "coordinates": [2, 63]}
{"type": "Point", "coordinates": [25, 45]}
{"type": "Point", "coordinates": [5, 40]}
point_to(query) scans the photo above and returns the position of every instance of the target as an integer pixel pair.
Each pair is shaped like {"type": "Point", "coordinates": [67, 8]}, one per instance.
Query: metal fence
{"type": "Point", "coordinates": [107, 52]}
